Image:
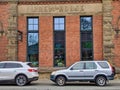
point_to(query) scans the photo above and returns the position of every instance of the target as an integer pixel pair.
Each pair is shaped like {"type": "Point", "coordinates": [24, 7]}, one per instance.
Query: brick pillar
{"type": "Point", "coordinates": [72, 39]}
{"type": "Point", "coordinates": [107, 30]}
{"type": "Point", "coordinates": [12, 31]}
{"type": "Point", "coordinates": [46, 41]}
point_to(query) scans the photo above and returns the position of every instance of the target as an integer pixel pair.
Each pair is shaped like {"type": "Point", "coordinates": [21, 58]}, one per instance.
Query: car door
{"type": "Point", "coordinates": [8, 72]}
{"type": "Point", "coordinates": [90, 70]}
{"type": "Point", "coordinates": [76, 71]}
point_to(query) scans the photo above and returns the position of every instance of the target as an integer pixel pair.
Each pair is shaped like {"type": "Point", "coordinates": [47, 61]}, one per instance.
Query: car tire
{"type": "Point", "coordinates": [21, 80]}
{"type": "Point", "coordinates": [100, 81]}
{"type": "Point", "coordinates": [60, 80]}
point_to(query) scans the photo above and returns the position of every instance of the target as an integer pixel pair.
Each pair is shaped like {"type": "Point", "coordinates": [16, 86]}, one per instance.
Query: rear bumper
{"type": "Point", "coordinates": [33, 79]}
{"type": "Point", "coordinates": [111, 77]}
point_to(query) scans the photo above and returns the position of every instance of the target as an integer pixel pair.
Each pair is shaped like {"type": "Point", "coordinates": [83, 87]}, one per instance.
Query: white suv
{"type": "Point", "coordinates": [20, 73]}
{"type": "Point", "coordinates": [93, 71]}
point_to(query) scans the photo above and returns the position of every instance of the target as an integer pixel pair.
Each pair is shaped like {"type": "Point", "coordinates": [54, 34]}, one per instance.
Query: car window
{"type": "Point", "coordinates": [78, 66]}
{"type": "Point", "coordinates": [103, 64]}
{"type": "Point", "coordinates": [13, 65]}
{"type": "Point", "coordinates": [2, 65]}
{"type": "Point", "coordinates": [30, 64]}
{"type": "Point", "coordinates": [90, 65]}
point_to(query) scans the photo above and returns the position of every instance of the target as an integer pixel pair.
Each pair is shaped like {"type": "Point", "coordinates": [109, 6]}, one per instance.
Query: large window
{"type": "Point", "coordinates": [59, 41]}
{"type": "Point", "coordinates": [86, 38]}
{"type": "Point", "coordinates": [32, 42]}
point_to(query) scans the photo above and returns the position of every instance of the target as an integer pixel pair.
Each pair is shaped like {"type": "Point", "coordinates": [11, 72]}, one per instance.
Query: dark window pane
{"type": "Point", "coordinates": [33, 47]}
{"type": "Point", "coordinates": [2, 65]}
{"type": "Point", "coordinates": [30, 64]}
{"type": "Point", "coordinates": [59, 42]}
{"type": "Point", "coordinates": [86, 38]}
{"type": "Point", "coordinates": [19, 65]}
{"type": "Point", "coordinates": [13, 65]}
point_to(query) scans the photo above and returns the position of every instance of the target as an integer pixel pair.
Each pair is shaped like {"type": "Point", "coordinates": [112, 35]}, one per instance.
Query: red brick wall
{"type": "Point", "coordinates": [46, 41]}
{"type": "Point", "coordinates": [72, 39]}
{"type": "Point", "coordinates": [97, 37]}
{"type": "Point", "coordinates": [22, 45]}
{"type": "Point", "coordinates": [4, 15]}
{"type": "Point", "coordinates": [116, 51]}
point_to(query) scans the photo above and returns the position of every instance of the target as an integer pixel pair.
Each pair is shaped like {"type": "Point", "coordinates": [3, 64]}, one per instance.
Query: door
{"type": "Point", "coordinates": [76, 72]}
{"type": "Point", "coordinates": [8, 72]}
{"type": "Point", "coordinates": [90, 70]}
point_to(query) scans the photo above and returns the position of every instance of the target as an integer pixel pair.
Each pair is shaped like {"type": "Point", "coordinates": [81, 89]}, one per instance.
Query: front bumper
{"type": "Point", "coordinates": [52, 78]}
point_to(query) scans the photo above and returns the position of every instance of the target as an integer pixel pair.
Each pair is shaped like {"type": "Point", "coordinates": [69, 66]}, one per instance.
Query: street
{"type": "Point", "coordinates": [49, 85]}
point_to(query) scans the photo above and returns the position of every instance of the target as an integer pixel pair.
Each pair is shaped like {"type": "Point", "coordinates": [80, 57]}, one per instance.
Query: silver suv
{"type": "Point", "coordinates": [98, 72]}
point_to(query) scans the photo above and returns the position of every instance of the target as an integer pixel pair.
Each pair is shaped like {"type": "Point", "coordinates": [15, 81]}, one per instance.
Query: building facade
{"type": "Point", "coordinates": [57, 33]}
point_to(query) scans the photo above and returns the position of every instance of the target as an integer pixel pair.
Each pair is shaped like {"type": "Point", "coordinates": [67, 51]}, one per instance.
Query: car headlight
{"type": "Point", "coordinates": [53, 73]}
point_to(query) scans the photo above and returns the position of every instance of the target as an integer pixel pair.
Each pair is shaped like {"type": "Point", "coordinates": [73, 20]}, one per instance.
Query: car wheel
{"type": "Point", "coordinates": [101, 81]}
{"type": "Point", "coordinates": [61, 80]}
{"type": "Point", "coordinates": [21, 80]}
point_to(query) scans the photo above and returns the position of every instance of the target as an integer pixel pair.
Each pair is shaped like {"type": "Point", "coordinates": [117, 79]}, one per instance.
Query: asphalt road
{"type": "Point", "coordinates": [49, 85]}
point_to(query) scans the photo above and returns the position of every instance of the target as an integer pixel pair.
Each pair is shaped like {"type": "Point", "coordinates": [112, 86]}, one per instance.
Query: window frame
{"type": "Point", "coordinates": [54, 39]}
{"type": "Point", "coordinates": [32, 32]}
{"type": "Point", "coordinates": [58, 17]}
{"type": "Point", "coordinates": [86, 31]}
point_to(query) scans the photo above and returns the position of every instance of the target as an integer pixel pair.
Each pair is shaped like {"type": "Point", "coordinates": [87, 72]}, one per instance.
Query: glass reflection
{"type": "Point", "coordinates": [32, 38]}
{"type": "Point", "coordinates": [33, 48]}
{"type": "Point", "coordinates": [86, 23]}
{"type": "Point", "coordinates": [32, 24]}
{"type": "Point", "coordinates": [59, 23]}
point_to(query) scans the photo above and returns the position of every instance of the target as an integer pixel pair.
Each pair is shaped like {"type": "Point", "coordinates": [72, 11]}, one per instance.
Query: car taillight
{"type": "Point", "coordinates": [32, 70]}
{"type": "Point", "coordinates": [113, 70]}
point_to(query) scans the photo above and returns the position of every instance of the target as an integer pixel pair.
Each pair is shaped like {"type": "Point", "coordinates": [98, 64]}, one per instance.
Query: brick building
{"type": "Point", "coordinates": [57, 33]}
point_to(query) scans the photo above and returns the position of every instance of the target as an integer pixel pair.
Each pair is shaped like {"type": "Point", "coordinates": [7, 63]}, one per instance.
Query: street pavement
{"type": "Point", "coordinates": [49, 85]}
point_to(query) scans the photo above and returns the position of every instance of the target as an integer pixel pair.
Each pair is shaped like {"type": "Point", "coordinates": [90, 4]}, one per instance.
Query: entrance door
{"type": "Point", "coordinates": [86, 38]}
